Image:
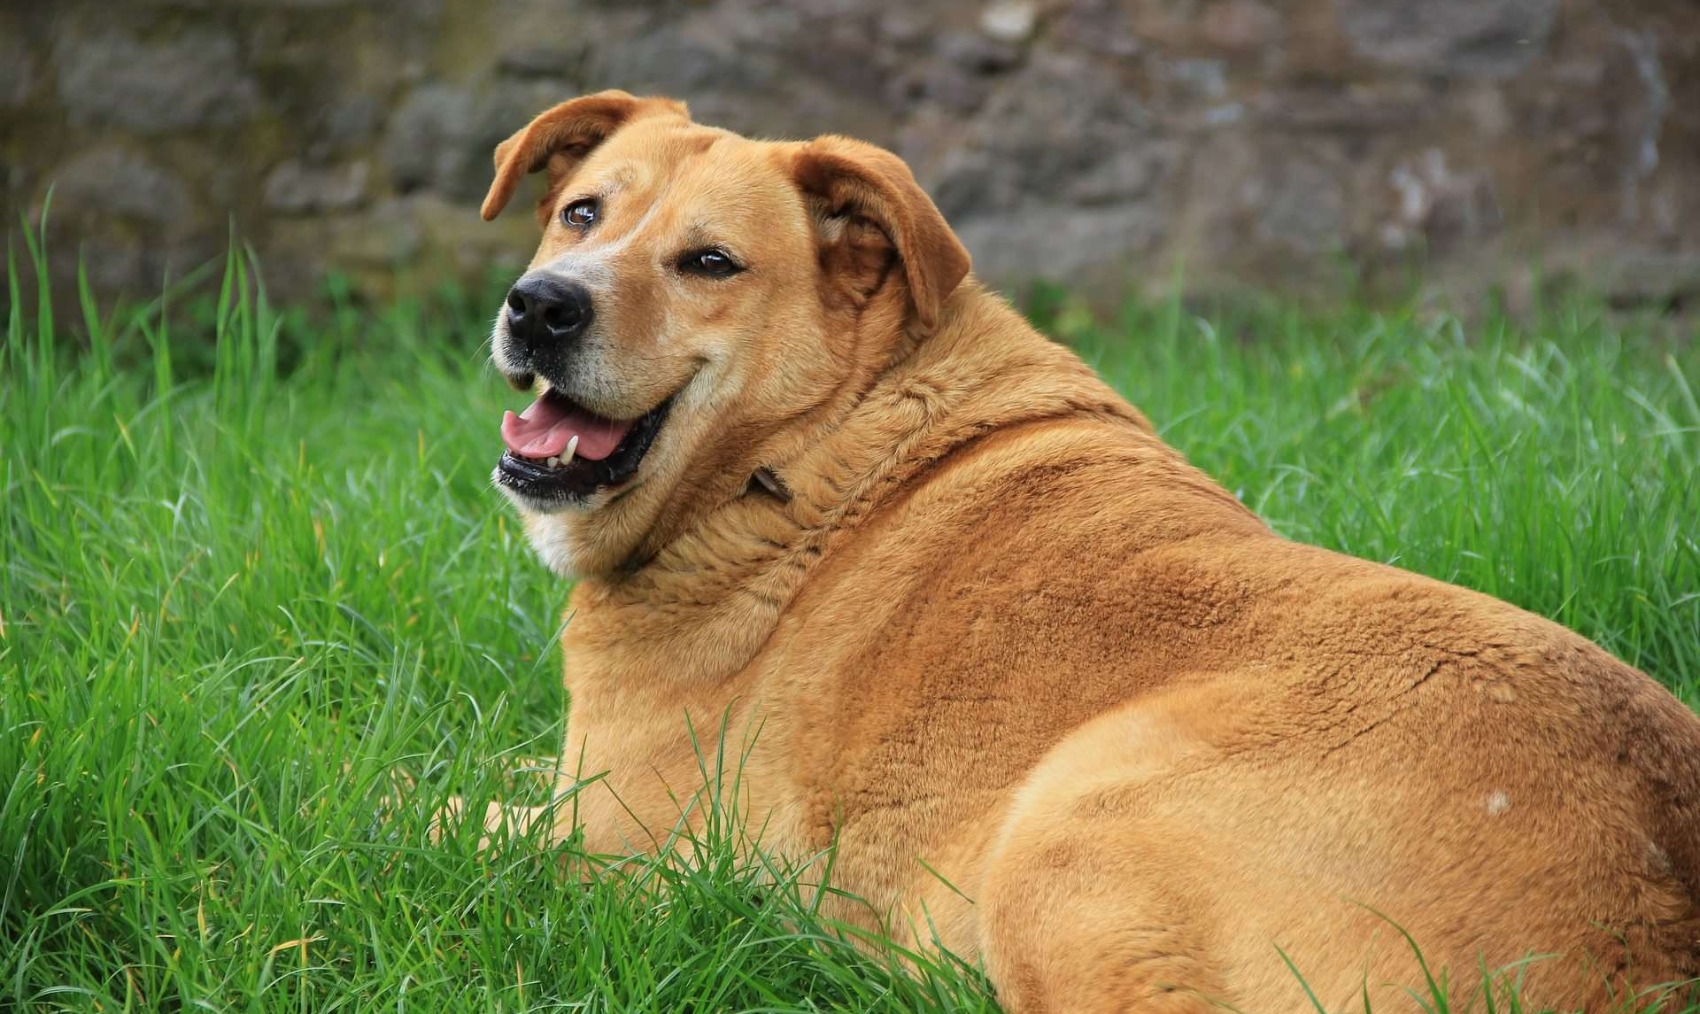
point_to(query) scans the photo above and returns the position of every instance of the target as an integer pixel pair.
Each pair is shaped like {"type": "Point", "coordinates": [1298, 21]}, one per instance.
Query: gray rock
{"type": "Point", "coordinates": [14, 189]}
{"type": "Point", "coordinates": [1078, 138]}
{"type": "Point", "coordinates": [111, 181]}
{"type": "Point", "coordinates": [977, 54]}
{"type": "Point", "coordinates": [1099, 26]}
{"type": "Point", "coordinates": [1488, 38]}
{"type": "Point", "coordinates": [1298, 204]}
{"type": "Point", "coordinates": [1122, 175]}
{"type": "Point", "coordinates": [1345, 111]}
{"type": "Point", "coordinates": [295, 188]}
{"type": "Point", "coordinates": [545, 59]}
{"type": "Point", "coordinates": [1058, 123]}
{"type": "Point", "coordinates": [836, 79]}
{"type": "Point", "coordinates": [207, 5]}
{"type": "Point", "coordinates": [442, 136]}
{"type": "Point", "coordinates": [313, 4]}
{"type": "Point", "coordinates": [951, 87]}
{"type": "Point", "coordinates": [365, 243]}
{"type": "Point", "coordinates": [675, 60]}
{"type": "Point", "coordinates": [1010, 21]}
{"type": "Point", "coordinates": [905, 25]}
{"type": "Point", "coordinates": [192, 80]}
{"type": "Point", "coordinates": [1196, 80]}
{"type": "Point", "coordinates": [1240, 26]}
{"type": "Point", "coordinates": [1095, 248]}
{"type": "Point", "coordinates": [17, 71]}
{"type": "Point", "coordinates": [427, 143]}
{"type": "Point", "coordinates": [349, 122]}
{"type": "Point", "coordinates": [387, 234]}
{"type": "Point", "coordinates": [1439, 203]}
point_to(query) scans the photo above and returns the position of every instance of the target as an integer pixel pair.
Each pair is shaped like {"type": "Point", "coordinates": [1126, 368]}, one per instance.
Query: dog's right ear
{"type": "Point", "coordinates": [867, 201]}
{"type": "Point", "coordinates": [560, 138]}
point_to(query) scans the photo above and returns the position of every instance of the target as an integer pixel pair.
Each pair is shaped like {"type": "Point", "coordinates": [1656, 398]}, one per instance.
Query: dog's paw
{"type": "Point", "coordinates": [446, 817]}
{"type": "Point", "coordinates": [501, 823]}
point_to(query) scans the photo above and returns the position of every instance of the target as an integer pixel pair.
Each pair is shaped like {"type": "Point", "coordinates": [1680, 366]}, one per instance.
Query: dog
{"type": "Point", "coordinates": [1060, 703]}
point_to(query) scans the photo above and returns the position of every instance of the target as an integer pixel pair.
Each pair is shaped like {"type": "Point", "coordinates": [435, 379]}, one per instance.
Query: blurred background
{"type": "Point", "coordinates": [1310, 146]}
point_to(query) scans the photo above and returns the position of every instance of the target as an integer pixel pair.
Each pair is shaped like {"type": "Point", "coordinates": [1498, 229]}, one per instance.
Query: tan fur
{"type": "Point", "coordinates": [1001, 636]}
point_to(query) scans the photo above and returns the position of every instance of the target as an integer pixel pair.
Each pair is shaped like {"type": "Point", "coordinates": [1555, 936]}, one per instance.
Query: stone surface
{"type": "Point", "coordinates": [1298, 204]}
{"type": "Point", "coordinates": [429, 142]}
{"type": "Point", "coordinates": [1240, 26]}
{"type": "Point", "coordinates": [1497, 38]}
{"type": "Point", "coordinates": [294, 187]}
{"type": "Point", "coordinates": [1096, 142]}
{"type": "Point", "coordinates": [1010, 21]}
{"type": "Point", "coordinates": [110, 181]}
{"type": "Point", "coordinates": [17, 70]}
{"type": "Point", "coordinates": [193, 79]}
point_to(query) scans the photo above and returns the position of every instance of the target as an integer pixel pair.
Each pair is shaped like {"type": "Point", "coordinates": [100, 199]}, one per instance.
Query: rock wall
{"type": "Point", "coordinates": [1103, 143]}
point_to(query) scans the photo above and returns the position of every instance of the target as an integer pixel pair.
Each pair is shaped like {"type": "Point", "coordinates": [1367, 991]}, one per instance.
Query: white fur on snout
{"type": "Point", "coordinates": [589, 268]}
{"type": "Point", "coordinates": [500, 340]}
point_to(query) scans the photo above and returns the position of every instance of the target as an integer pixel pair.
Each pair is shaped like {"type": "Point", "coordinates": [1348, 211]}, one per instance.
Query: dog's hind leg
{"type": "Point", "coordinates": [1069, 924]}
{"type": "Point", "coordinates": [1093, 900]}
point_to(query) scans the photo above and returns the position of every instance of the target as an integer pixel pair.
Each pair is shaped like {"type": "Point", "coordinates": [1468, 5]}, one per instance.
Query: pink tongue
{"type": "Point", "coordinates": [544, 430]}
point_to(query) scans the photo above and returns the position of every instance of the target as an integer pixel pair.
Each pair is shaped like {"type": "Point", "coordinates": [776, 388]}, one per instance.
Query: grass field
{"type": "Point", "coordinates": [241, 588]}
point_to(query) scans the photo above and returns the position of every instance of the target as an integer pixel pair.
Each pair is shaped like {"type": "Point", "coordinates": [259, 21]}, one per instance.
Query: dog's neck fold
{"type": "Point", "coordinates": [731, 574]}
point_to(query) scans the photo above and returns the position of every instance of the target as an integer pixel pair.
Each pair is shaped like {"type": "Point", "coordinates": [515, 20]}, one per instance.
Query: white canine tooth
{"type": "Point", "coordinates": [554, 462]}
{"type": "Point", "coordinates": [572, 448]}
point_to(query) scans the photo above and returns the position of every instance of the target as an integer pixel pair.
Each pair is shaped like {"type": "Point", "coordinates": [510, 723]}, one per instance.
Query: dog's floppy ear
{"type": "Point", "coordinates": [561, 137]}
{"type": "Point", "coordinates": [859, 192]}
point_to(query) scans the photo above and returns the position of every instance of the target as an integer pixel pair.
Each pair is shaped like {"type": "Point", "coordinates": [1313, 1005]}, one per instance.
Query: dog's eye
{"type": "Point", "coordinates": [712, 263]}
{"type": "Point", "coordinates": [581, 214]}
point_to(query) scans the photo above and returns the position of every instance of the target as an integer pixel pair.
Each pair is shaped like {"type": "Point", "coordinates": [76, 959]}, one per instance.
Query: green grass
{"type": "Point", "coordinates": [250, 570]}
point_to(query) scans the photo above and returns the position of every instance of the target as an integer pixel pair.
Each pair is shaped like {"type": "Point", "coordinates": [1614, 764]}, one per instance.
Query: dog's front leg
{"type": "Point", "coordinates": [500, 820]}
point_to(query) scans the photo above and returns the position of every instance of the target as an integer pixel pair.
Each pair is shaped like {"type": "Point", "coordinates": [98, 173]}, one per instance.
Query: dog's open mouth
{"type": "Point", "coordinates": [558, 450]}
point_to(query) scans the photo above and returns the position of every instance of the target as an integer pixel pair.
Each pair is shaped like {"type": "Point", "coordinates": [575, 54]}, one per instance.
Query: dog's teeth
{"type": "Point", "coordinates": [554, 462]}
{"type": "Point", "coordinates": [572, 448]}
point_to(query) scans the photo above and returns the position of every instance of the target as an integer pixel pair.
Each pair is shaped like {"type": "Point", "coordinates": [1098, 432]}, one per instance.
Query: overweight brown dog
{"type": "Point", "coordinates": [1056, 696]}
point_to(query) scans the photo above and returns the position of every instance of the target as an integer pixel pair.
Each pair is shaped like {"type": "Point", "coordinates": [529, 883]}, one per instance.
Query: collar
{"type": "Point", "coordinates": [765, 480]}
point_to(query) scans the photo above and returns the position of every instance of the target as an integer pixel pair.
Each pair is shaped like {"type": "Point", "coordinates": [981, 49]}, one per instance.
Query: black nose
{"type": "Point", "coordinates": [543, 310]}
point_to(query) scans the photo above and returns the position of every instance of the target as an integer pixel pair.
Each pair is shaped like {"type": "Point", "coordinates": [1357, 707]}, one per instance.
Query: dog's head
{"type": "Point", "coordinates": [699, 304]}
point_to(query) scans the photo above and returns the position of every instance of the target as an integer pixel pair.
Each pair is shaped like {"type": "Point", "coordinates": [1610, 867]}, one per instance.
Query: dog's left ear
{"type": "Point", "coordinates": [561, 137]}
{"type": "Point", "coordinates": [868, 207]}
